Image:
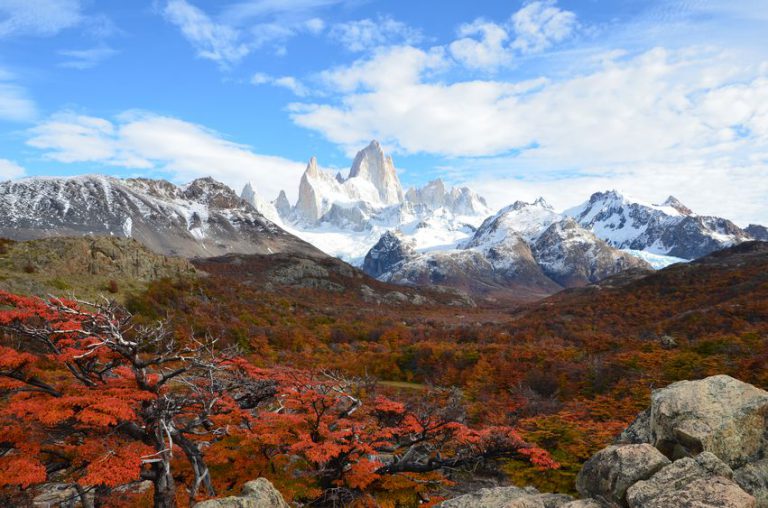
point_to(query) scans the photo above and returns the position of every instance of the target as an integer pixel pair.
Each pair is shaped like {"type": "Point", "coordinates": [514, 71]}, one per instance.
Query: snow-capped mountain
{"type": "Point", "coordinates": [202, 218]}
{"type": "Point", "coordinates": [669, 229]}
{"type": "Point", "coordinates": [345, 217]}
{"type": "Point", "coordinates": [526, 247]}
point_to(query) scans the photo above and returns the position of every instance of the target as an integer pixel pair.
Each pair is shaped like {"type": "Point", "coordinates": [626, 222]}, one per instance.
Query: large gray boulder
{"type": "Point", "coordinates": [258, 493]}
{"type": "Point", "coordinates": [716, 492]}
{"type": "Point", "coordinates": [683, 479]}
{"type": "Point", "coordinates": [753, 478]}
{"type": "Point", "coordinates": [507, 497]}
{"type": "Point", "coordinates": [612, 470]}
{"type": "Point", "coordinates": [718, 414]}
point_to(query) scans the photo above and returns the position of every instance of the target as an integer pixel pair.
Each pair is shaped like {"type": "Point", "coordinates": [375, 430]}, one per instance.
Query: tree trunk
{"type": "Point", "coordinates": [165, 487]}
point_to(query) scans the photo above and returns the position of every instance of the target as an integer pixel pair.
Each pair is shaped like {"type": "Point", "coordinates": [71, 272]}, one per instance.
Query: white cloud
{"type": "Point", "coordinates": [287, 82]}
{"type": "Point", "coordinates": [244, 27]}
{"type": "Point", "coordinates": [213, 41]}
{"type": "Point", "coordinates": [659, 105]}
{"type": "Point", "coordinates": [164, 144]}
{"type": "Point", "coordinates": [86, 58]}
{"type": "Point", "coordinates": [10, 170]}
{"type": "Point", "coordinates": [241, 12]}
{"type": "Point", "coordinates": [366, 34]}
{"type": "Point", "coordinates": [540, 24]}
{"type": "Point", "coordinates": [15, 103]}
{"type": "Point", "coordinates": [38, 17]}
{"type": "Point", "coordinates": [489, 52]}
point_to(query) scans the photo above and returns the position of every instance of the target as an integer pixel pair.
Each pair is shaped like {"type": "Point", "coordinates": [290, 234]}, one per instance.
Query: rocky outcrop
{"type": "Point", "coordinates": [573, 256]}
{"type": "Point", "coordinates": [256, 494]}
{"type": "Point", "coordinates": [721, 415]}
{"type": "Point", "coordinates": [372, 165]}
{"type": "Point", "coordinates": [613, 470]}
{"type": "Point", "coordinates": [701, 444]}
{"type": "Point", "coordinates": [507, 497]}
{"type": "Point", "coordinates": [681, 478]}
{"type": "Point", "coordinates": [387, 255]}
{"type": "Point", "coordinates": [757, 232]}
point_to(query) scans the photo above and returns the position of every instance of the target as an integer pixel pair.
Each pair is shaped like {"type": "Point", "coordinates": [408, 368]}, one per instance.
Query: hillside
{"type": "Point", "coordinates": [86, 267]}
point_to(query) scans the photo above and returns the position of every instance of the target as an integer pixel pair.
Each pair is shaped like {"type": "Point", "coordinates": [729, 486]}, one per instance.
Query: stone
{"type": "Point", "coordinates": [258, 493]}
{"type": "Point", "coordinates": [715, 492]}
{"type": "Point", "coordinates": [611, 471]}
{"type": "Point", "coordinates": [584, 503]}
{"type": "Point", "coordinates": [753, 478]}
{"type": "Point", "coordinates": [639, 431]}
{"type": "Point", "coordinates": [507, 497]}
{"type": "Point", "coordinates": [677, 477]}
{"type": "Point", "coordinates": [718, 414]}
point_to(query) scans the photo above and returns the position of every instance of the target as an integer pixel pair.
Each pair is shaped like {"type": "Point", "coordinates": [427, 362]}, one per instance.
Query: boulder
{"type": "Point", "coordinates": [682, 478]}
{"type": "Point", "coordinates": [718, 414]}
{"type": "Point", "coordinates": [715, 492]}
{"type": "Point", "coordinates": [639, 431]}
{"type": "Point", "coordinates": [612, 470]}
{"type": "Point", "coordinates": [583, 503]}
{"type": "Point", "coordinates": [753, 478]}
{"type": "Point", "coordinates": [507, 497]}
{"type": "Point", "coordinates": [258, 493]}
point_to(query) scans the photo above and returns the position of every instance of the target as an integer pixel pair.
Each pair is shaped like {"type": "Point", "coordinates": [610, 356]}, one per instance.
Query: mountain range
{"type": "Point", "coordinates": [432, 235]}
{"type": "Point", "coordinates": [441, 236]}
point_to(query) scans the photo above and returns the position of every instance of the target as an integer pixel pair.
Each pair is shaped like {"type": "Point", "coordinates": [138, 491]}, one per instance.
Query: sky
{"type": "Point", "coordinates": [516, 99]}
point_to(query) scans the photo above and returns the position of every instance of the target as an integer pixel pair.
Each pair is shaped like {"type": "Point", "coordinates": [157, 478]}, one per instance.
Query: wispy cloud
{"type": "Point", "coordinates": [15, 103]}
{"type": "Point", "coordinates": [213, 41]}
{"type": "Point", "coordinates": [150, 142]}
{"type": "Point", "coordinates": [229, 36]}
{"type": "Point", "coordinates": [38, 17]}
{"type": "Point", "coordinates": [288, 82]}
{"type": "Point", "coordinates": [10, 170]}
{"type": "Point", "coordinates": [364, 34]}
{"type": "Point", "coordinates": [86, 58]}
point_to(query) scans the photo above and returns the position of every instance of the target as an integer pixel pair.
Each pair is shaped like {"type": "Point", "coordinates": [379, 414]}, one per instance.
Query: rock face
{"type": "Point", "coordinates": [757, 232]}
{"type": "Point", "coordinates": [719, 414]}
{"type": "Point", "coordinates": [681, 479]}
{"type": "Point", "coordinates": [203, 218]}
{"type": "Point", "coordinates": [389, 252]}
{"type": "Point", "coordinates": [371, 164]}
{"type": "Point", "coordinates": [753, 478]}
{"type": "Point", "coordinates": [507, 497]}
{"type": "Point", "coordinates": [671, 228]}
{"type": "Point", "coordinates": [613, 470]}
{"type": "Point", "coordinates": [256, 494]}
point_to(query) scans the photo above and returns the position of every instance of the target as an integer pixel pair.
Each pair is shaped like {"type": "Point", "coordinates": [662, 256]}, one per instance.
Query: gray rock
{"type": "Point", "coordinates": [753, 478]}
{"type": "Point", "coordinates": [639, 431]}
{"type": "Point", "coordinates": [584, 503]}
{"type": "Point", "coordinates": [718, 414]}
{"type": "Point", "coordinates": [613, 470]}
{"type": "Point", "coordinates": [677, 477]}
{"type": "Point", "coordinates": [507, 497]}
{"type": "Point", "coordinates": [715, 492]}
{"type": "Point", "coordinates": [258, 493]}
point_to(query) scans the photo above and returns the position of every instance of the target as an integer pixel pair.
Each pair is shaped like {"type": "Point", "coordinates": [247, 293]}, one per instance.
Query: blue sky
{"type": "Point", "coordinates": [514, 98]}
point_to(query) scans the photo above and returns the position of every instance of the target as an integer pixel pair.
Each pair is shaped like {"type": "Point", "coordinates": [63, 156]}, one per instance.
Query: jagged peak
{"type": "Point", "coordinates": [312, 170]}
{"type": "Point", "coordinates": [540, 202]}
{"type": "Point", "coordinates": [675, 203]}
